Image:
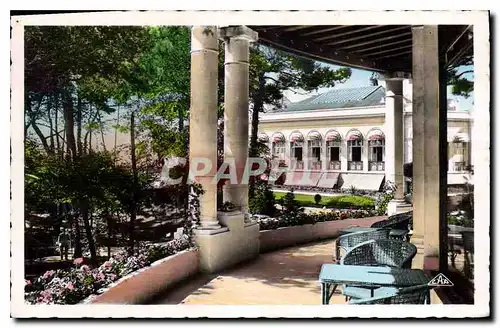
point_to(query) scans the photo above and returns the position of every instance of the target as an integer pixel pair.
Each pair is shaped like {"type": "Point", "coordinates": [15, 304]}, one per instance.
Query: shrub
{"type": "Point", "coordinates": [317, 199]}
{"type": "Point", "coordinates": [351, 202]}
{"type": "Point", "coordinates": [302, 218]}
{"type": "Point", "coordinates": [384, 199]}
{"type": "Point", "coordinates": [263, 201]}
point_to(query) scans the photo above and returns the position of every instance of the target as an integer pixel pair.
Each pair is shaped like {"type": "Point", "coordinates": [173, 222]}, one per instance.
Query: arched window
{"type": "Point", "coordinates": [376, 151]}
{"type": "Point", "coordinates": [296, 150]}
{"type": "Point", "coordinates": [278, 150]}
{"type": "Point", "coordinates": [354, 151]}
{"type": "Point", "coordinates": [458, 150]}
{"type": "Point", "coordinates": [315, 150]}
{"type": "Point", "coordinates": [333, 148]}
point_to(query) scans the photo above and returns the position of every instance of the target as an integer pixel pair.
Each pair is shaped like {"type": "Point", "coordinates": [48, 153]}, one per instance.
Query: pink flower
{"type": "Point", "coordinates": [101, 275]}
{"type": "Point", "coordinates": [85, 268]}
{"type": "Point", "coordinates": [112, 276]}
{"type": "Point", "coordinates": [107, 264]}
{"type": "Point", "coordinates": [78, 261]}
{"type": "Point", "coordinates": [27, 282]}
{"type": "Point", "coordinates": [70, 286]}
{"type": "Point", "coordinates": [48, 274]}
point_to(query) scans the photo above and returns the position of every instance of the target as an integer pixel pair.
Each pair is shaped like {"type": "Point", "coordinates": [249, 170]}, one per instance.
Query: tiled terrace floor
{"type": "Point", "coordinates": [287, 276]}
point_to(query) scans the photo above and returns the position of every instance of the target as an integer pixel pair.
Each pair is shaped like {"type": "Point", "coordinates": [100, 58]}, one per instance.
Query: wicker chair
{"type": "Point", "coordinates": [409, 295]}
{"type": "Point", "coordinates": [468, 243]}
{"type": "Point", "coordinates": [396, 221]}
{"type": "Point", "coordinates": [350, 240]}
{"type": "Point", "coordinates": [382, 252]}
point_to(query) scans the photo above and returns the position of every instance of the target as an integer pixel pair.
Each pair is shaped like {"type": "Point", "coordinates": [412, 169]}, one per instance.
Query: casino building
{"type": "Point", "coordinates": [345, 135]}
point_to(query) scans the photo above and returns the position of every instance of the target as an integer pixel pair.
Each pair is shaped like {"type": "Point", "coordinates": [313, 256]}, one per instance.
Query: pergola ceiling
{"type": "Point", "coordinates": [383, 48]}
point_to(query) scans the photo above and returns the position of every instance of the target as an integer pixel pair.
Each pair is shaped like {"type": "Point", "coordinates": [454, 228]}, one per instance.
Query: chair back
{"type": "Point", "coordinates": [397, 221]}
{"type": "Point", "coordinates": [468, 240]}
{"type": "Point", "coordinates": [353, 239]}
{"type": "Point", "coordinates": [381, 252]}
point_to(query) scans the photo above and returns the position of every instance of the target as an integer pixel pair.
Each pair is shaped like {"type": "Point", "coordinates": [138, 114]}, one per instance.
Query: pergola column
{"type": "Point", "coordinates": [429, 130]}
{"type": "Point", "coordinates": [394, 143]}
{"type": "Point", "coordinates": [203, 119]}
{"type": "Point", "coordinates": [236, 94]}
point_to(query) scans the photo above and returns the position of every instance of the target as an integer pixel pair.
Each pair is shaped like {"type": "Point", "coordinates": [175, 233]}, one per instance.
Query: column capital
{"type": "Point", "coordinates": [395, 76]}
{"type": "Point", "coordinates": [238, 32]}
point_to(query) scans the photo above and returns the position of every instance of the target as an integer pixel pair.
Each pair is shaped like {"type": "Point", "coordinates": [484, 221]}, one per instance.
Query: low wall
{"type": "Point", "coordinates": [290, 236]}
{"type": "Point", "coordinates": [141, 284]}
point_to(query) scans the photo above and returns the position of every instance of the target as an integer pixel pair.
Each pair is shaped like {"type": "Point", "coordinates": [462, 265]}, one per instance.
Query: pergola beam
{"type": "Point", "coordinates": [297, 27]}
{"type": "Point", "coordinates": [333, 36]}
{"type": "Point", "coordinates": [387, 51]}
{"type": "Point", "coordinates": [390, 37]}
{"type": "Point", "coordinates": [310, 49]}
{"type": "Point", "coordinates": [368, 35]}
{"type": "Point", "coordinates": [330, 29]}
{"type": "Point", "coordinates": [360, 51]}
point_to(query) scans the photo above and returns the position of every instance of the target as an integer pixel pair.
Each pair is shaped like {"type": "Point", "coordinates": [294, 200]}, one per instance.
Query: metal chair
{"type": "Point", "coordinates": [350, 240]}
{"type": "Point", "coordinates": [419, 294]}
{"type": "Point", "coordinates": [468, 243]}
{"type": "Point", "coordinates": [381, 252]}
{"type": "Point", "coordinates": [397, 221]}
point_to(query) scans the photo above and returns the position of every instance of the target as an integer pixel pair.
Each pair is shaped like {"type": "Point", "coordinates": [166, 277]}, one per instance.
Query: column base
{"type": "Point", "coordinates": [238, 243]}
{"type": "Point", "coordinates": [396, 206]}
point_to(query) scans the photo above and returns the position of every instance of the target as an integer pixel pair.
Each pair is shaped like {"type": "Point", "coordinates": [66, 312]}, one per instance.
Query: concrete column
{"type": "Point", "coordinates": [236, 94]}
{"type": "Point", "coordinates": [394, 143]}
{"type": "Point", "coordinates": [343, 155]}
{"type": "Point", "coordinates": [305, 154]}
{"type": "Point", "coordinates": [203, 118]}
{"type": "Point", "coordinates": [324, 155]}
{"type": "Point", "coordinates": [364, 154]}
{"type": "Point", "coordinates": [427, 181]}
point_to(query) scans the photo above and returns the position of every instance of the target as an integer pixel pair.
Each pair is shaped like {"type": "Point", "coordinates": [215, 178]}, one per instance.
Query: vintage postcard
{"type": "Point", "coordinates": [250, 164]}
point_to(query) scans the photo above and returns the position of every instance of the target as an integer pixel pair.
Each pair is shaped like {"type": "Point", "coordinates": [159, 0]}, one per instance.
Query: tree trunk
{"type": "Point", "coordinates": [258, 105]}
{"type": "Point", "coordinates": [50, 108]}
{"type": "Point", "coordinates": [88, 232]}
{"type": "Point", "coordinates": [56, 123]}
{"type": "Point", "coordinates": [180, 115]}
{"type": "Point", "coordinates": [78, 238]}
{"type": "Point", "coordinates": [79, 115]}
{"type": "Point", "coordinates": [108, 223]}
{"type": "Point", "coordinates": [70, 123]}
{"type": "Point", "coordinates": [133, 208]}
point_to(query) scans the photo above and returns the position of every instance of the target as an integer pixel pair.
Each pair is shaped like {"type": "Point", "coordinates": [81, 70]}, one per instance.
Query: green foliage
{"type": "Point", "coordinates": [340, 202]}
{"type": "Point", "coordinates": [463, 222]}
{"type": "Point", "coordinates": [461, 85]}
{"type": "Point", "coordinates": [291, 210]}
{"type": "Point", "coordinates": [351, 202]}
{"type": "Point", "coordinates": [263, 201]}
{"type": "Point", "coordinates": [227, 207]}
{"type": "Point", "coordinates": [317, 199]}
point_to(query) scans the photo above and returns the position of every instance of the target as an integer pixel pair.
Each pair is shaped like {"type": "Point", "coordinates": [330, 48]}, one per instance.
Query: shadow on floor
{"type": "Point", "coordinates": [176, 294]}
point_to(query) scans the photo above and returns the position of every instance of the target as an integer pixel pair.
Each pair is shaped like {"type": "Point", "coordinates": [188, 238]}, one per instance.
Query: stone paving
{"type": "Point", "coordinates": [285, 277]}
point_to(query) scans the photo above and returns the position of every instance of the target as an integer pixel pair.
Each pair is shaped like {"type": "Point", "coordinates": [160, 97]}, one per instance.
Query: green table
{"type": "Point", "coordinates": [367, 276]}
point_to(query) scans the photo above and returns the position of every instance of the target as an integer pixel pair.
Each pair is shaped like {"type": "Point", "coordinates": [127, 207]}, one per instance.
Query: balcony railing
{"type": "Point", "coordinates": [376, 166]}
{"type": "Point", "coordinates": [315, 165]}
{"type": "Point", "coordinates": [459, 166]}
{"type": "Point", "coordinates": [334, 165]}
{"type": "Point", "coordinates": [355, 166]}
{"type": "Point", "coordinates": [297, 165]}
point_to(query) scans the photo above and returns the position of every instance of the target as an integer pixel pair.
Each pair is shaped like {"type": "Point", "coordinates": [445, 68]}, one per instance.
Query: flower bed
{"type": "Point", "coordinates": [74, 285]}
{"type": "Point", "coordinates": [267, 223]}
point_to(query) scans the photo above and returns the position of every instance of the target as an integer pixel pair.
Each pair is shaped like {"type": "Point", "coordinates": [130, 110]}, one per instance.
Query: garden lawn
{"type": "Point", "coordinates": [339, 202]}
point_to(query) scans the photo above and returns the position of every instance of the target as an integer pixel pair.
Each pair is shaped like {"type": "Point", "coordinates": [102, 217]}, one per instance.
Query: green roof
{"type": "Point", "coordinates": [341, 98]}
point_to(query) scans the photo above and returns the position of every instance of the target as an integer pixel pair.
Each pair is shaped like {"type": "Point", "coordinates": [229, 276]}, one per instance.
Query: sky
{"type": "Point", "coordinates": [361, 78]}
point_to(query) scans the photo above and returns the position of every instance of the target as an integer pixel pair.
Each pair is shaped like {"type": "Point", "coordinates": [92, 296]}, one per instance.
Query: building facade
{"type": "Point", "coordinates": [340, 137]}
